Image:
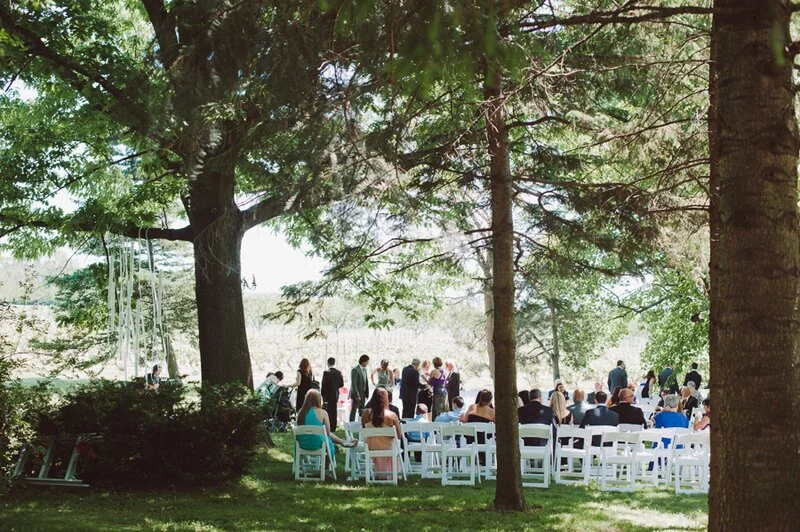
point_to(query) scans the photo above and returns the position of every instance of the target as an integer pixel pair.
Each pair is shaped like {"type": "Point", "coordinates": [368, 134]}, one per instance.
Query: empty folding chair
{"type": "Point", "coordinates": [691, 455]}
{"type": "Point", "coordinates": [618, 461]}
{"type": "Point", "coordinates": [535, 475]}
{"type": "Point", "coordinates": [383, 466]}
{"type": "Point", "coordinates": [652, 456]}
{"type": "Point", "coordinates": [312, 464]}
{"type": "Point", "coordinates": [459, 459]}
{"type": "Point", "coordinates": [572, 448]}
{"type": "Point", "coordinates": [487, 446]}
{"type": "Point", "coordinates": [354, 457]}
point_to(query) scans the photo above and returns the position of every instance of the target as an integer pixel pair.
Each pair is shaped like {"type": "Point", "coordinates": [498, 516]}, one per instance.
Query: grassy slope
{"type": "Point", "coordinates": [269, 499]}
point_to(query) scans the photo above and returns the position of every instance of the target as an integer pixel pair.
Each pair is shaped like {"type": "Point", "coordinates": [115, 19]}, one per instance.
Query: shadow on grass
{"type": "Point", "coordinates": [269, 499]}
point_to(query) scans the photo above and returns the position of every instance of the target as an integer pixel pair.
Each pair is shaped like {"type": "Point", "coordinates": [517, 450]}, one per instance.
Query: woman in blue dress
{"type": "Point", "coordinates": [311, 413]}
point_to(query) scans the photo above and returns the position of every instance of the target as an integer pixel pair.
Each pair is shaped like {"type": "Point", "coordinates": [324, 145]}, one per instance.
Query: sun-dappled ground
{"type": "Point", "coordinates": [269, 499]}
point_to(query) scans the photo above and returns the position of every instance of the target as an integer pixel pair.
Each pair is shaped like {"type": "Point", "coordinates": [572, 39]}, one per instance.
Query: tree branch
{"type": "Point", "coordinates": [164, 25]}
{"type": "Point", "coordinates": [185, 233]}
{"type": "Point", "coordinates": [625, 15]}
{"type": "Point", "coordinates": [532, 123]}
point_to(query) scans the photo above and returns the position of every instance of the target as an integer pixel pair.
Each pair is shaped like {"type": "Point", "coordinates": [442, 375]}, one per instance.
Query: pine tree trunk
{"type": "Point", "coordinates": [508, 493]}
{"type": "Point", "coordinates": [555, 356]}
{"type": "Point", "coordinates": [488, 317]}
{"type": "Point", "coordinates": [755, 440]}
{"type": "Point", "coordinates": [218, 228]}
{"type": "Point", "coordinates": [172, 361]}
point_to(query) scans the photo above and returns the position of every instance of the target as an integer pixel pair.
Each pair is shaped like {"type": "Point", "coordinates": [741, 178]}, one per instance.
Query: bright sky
{"type": "Point", "coordinates": [275, 263]}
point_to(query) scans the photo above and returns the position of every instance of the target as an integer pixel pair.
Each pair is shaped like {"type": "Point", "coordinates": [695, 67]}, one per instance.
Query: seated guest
{"type": "Point", "coordinates": [599, 415]}
{"type": "Point", "coordinates": [454, 415]}
{"type": "Point", "coordinates": [535, 412]}
{"type": "Point", "coordinates": [626, 411]}
{"type": "Point", "coordinates": [391, 407]}
{"type": "Point", "coordinates": [377, 416]}
{"type": "Point", "coordinates": [524, 397]}
{"type": "Point", "coordinates": [153, 380]}
{"type": "Point", "coordinates": [591, 398]}
{"type": "Point", "coordinates": [614, 399]}
{"type": "Point", "coordinates": [579, 407]}
{"type": "Point", "coordinates": [481, 411]}
{"type": "Point", "coordinates": [421, 417]}
{"type": "Point", "coordinates": [670, 417]}
{"type": "Point", "coordinates": [312, 413]}
{"type": "Point", "coordinates": [688, 401]}
{"type": "Point", "coordinates": [559, 406]}
{"type": "Point", "coordinates": [559, 387]}
{"type": "Point", "coordinates": [705, 421]}
{"type": "Point", "coordinates": [662, 394]}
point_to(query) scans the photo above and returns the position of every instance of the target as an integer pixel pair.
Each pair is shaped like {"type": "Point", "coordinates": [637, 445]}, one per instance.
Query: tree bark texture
{"type": "Point", "coordinates": [218, 229]}
{"type": "Point", "coordinates": [508, 493]}
{"type": "Point", "coordinates": [754, 321]}
{"type": "Point", "coordinates": [555, 356]}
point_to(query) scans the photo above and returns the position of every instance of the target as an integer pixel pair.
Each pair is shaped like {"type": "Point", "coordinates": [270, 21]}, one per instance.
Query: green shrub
{"type": "Point", "coordinates": [162, 438]}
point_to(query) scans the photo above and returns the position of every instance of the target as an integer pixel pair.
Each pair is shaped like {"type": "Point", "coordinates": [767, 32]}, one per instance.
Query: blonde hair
{"type": "Point", "coordinates": [313, 399]}
{"type": "Point", "coordinates": [559, 405]}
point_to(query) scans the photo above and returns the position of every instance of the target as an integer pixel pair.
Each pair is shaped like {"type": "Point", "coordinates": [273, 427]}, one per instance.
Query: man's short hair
{"type": "Point", "coordinates": [331, 361]}
{"type": "Point", "coordinates": [578, 395]}
{"type": "Point", "coordinates": [624, 393]}
{"type": "Point", "coordinates": [620, 363]}
{"type": "Point", "coordinates": [415, 362]}
{"type": "Point", "coordinates": [363, 358]}
{"type": "Point", "coordinates": [536, 393]}
{"type": "Point", "coordinates": [671, 401]}
{"type": "Point", "coordinates": [600, 397]}
{"type": "Point", "coordinates": [694, 365]}
{"type": "Point", "coordinates": [422, 408]}
{"type": "Point", "coordinates": [458, 401]}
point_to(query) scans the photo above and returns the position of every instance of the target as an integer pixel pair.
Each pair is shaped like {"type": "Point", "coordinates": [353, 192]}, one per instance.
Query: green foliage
{"type": "Point", "coordinates": [162, 438]}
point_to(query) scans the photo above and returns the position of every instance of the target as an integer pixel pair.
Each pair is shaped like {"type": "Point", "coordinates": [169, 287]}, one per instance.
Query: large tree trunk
{"type": "Point", "coordinates": [755, 460]}
{"type": "Point", "coordinates": [555, 355]}
{"type": "Point", "coordinates": [488, 305]}
{"type": "Point", "coordinates": [218, 229]}
{"type": "Point", "coordinates": [508, 493]}
{"type": "Point", "coordinates": [172, 361]}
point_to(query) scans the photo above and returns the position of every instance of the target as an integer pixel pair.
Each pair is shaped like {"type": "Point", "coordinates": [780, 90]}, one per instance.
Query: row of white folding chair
{"type": "Point", "coordinates": [444, 451]}
{"type": "Point", "coordinates": [308, 461]}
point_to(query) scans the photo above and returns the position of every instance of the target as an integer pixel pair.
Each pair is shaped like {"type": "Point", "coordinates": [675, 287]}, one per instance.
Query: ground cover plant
{"type": "Point", "coordinates": [268, 498]}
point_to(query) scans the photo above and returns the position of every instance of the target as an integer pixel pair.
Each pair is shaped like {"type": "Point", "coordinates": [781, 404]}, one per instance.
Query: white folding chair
{"type": "Point", "coordinates": [460, 466]}
{"type": "Point", "coordinates": [691, 456]}
{"type": "Point", "coordinates": [653, 455]}
{"type": "Point", "coordinates": [486, 431]}
{"type": "Point", "coordinates": [618, 461]}
{"type": "Point", "coordinates": [570, 452]}
{"type": "Point", "coordinates": [421, 447]}
{"type": "Point", "coordinates": [312, 461]}
{"type": "Point", "coordinates": [629, 427]}
{"type": "Point", "coordinates": [394, 455]}
{"type": "Point", "coordinates": [432, 451]}
{"type": "Point", "coordinates": [354, 457]}
{"type": "Point", "coordinates": [531, 456]}
{"type": "Point", "coordinates": [595, 450]}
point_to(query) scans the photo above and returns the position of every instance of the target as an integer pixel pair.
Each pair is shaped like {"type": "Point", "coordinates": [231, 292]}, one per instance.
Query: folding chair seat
{"type": "Point", "coordinates": [394, 456]}
{"type": "Point", "coordinates": [618, 461]}
{"type": "Point", "coordinates": [531, 456]}
{"type": "Point", "coordinates": [691, 456]}
{"type": "Point", "coordinates": [354, 457]}
{"type": "Point", "coordinates": [574, 450]}
{"type": "Point", "coordinates": [307, 462]}
{"type": "Point", "coordinates": [460, 466]}
{"type": "Point", "coordinates": [629, 427]}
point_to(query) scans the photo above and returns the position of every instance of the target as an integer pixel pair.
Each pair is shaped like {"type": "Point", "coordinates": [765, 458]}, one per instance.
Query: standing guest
{"type": "Point", "coordinates": [385, 376]}
{"type": "Point", "coordinates": [649, 384]}
{"type": "Point", "coordinates": [626, 411]}
{"type": "Point", "coordinates": [693, 376]}
{"type": "Point", "coordinates": [454, 415]}
{"type": "Point", "coordinates": [438, 381]}
{"type": "Point", "coordinates": [377, 416]}
{"type": "Point", "coordinates": [559, 387]}
{"type": "Point", "coordinates": [614, 399]}
{"type": "Point", "coordinates": [359, 387]}
{"type": "Point", "coordinates": [396, 376]}
{"type": "Point", "coordinates": [409, 387]}
{"type": "Point", "coordinates": [591, 399]}
{"type": "Point", "coordinates": [153, 380]}
{"type": "Point", "coordinates": [312, 414]}
{"type": "Point", "coordinates": [425, 395]}
{"type": "Point", "coordinates": [600, 415]}
{"type": "Point", "coordinates": [332, 380]}
{"type": "Point", "coordinates": [618, 376]}
{"type": "Point", "coordinates": [667, 379]}
{"type": "Point", "coordinates": [482, 411]}
{"type": "Point", "coordinates": [303, 383]}
{"type": "Point", "coordinates": [688, 401]}
{"type": "Point", "coordinates": [536, 412]}
{"type": "Point", "coordinates": [579, 407]}
{"type": "Point", "coordinates": [453, 382]}
{"type": "Point", "coordinates": [705, 421]}
{"type": "Point", "coordinates": [559, 405]}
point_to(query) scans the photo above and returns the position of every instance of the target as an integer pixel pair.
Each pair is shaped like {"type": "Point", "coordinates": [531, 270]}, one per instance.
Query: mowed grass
{"type": "Point", "coordinates": [269, 499]}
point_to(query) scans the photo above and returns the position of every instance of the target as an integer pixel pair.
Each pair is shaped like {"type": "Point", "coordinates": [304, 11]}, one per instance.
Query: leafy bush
{"type": "Point", "coordinates": [162, 438]}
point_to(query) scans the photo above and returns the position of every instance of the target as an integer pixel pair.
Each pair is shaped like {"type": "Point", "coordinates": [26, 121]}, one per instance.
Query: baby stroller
{"type": "Point", "coordinates": [282, 410]}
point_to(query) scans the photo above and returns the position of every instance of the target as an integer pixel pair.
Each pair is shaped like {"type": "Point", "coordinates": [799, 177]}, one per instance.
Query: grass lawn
{"type": "Point", "coordinates": [269, 499]}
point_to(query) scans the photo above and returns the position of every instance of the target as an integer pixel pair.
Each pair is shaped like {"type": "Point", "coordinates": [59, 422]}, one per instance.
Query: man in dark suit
{"type": "Point", "coordinates": [667, 379]}
{"type": "Point", "coordinates": [359, 387]}
{"type": "Point", "coordinates": [453, 385]}
{"type": "Point", "coordinates": [693, 376]}
{"type": "Point", "coordinates": [409, 387]}
{"type": "Point", "coordinates": [332, 380]}
{"type": "Point", "coordinates": [600, 415]}
{"type": "Point", "coordinates": [617, 377]}
{"type": "Point", "coordinates": [536, 412]}
{"type": "Point", "coordinates": [626, 411]}
{"type": "Point", "coordinates": [591, 399]}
